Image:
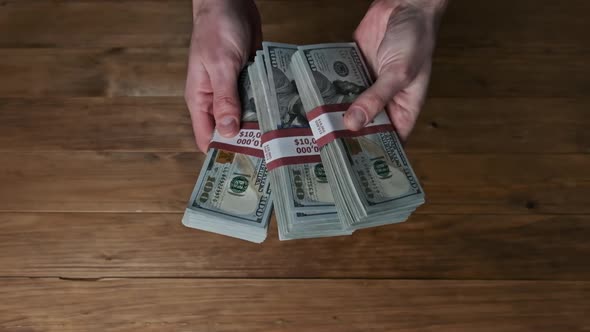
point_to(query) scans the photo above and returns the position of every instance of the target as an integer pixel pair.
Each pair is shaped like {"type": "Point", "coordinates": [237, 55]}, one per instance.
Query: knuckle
{"type": "Point", "coordinates": [189, 98]}
{"type": "Point", "coordinates": [222, 61]}
{"type": "Point", "coordinates": [373, 102]}
{"type": "Point", "coordinates": [190, 88]}
{"type": "Point", "coordinates": [378, 6]}
{"type": "Point", "coordinates": [380, 101]}
{"type": "Point", "coordinates": [360, 31]}
{"type": "Point", "coordinates": [405, 74]}
{"type": "Point", "coordinates": [356, 35]}
{"type": "Point", "coordinates": [225, 104]}
{"type": "Point", "coordinates": [226, 69]}
{"type": "Point", "coordinates": [215, 61]}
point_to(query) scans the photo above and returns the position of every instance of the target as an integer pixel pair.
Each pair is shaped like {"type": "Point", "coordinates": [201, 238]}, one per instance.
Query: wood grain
{"type": "Point", "coordinates": [293, 305]}
{"type": "Point", "coordinates": [93, 72]}
{"type": "Point", "coordinates": [535, 25]}
{"type": "Point", "coordinates": [98, 181]}
{"type": "Point", "coordinates": [97, 160]}
{"type": "Point", "coordinates": [81, 24]}
{"type": "Point", "coordinates": [162, 72]}
{"type": "Point", "coordinates": [96, 124]}
{"type": "Point", "coordinates": [503, 72]}
{"type": "Point", "coordinates": [162, 182]}
{"type": "Point", "coordinates": [542, 24]}
{"type": "Point", "coordinates": [157, 124]}
{"type": "Point", "coordinates": [504, 125]}
{"type": "Point", "coordinates": [91, 245]}
{"type": "Point", "coordinates": [69, 51]}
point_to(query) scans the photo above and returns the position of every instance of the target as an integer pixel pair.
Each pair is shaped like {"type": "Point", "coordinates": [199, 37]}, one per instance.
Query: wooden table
{"type": "Point", "coordinates": [97, 161]}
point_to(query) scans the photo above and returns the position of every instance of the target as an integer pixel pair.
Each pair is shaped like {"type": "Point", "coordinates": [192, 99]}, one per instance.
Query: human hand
{"type": "Point", "coordinates": [397, 39]}
{"type": "Point", "coordinates": [225, 33]}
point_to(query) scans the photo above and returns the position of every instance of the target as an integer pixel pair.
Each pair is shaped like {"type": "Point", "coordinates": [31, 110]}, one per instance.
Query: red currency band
{"type": "Point", "coordinates": [278, 134]}
{"type": "Point", "coordinates": [287, 132]}
{"type": "Point", "coordinates": [342, 133]}
{"type": "Point", "coordinates": [237, 149]}
{"type": "Point", "coordinates": [349, 133]}
{"type": "Point", "coordinates": [293, 161]}
{"type": "Point", "coordinates": [314, 113]}
{"type": "Point", "coordinates": [250, 125]}
{"type": "Point", "coordinates": [231, 145]}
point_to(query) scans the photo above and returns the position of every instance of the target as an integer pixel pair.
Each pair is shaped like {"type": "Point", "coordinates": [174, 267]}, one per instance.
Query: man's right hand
{"type": "Point", "coordinates": [225, 32]}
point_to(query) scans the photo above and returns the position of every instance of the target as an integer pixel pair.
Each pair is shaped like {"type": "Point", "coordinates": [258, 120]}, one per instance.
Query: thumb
{"type": "Point", "coordinates": [226, 100]}
{"type": "Point", "coordinates": [366, 107]}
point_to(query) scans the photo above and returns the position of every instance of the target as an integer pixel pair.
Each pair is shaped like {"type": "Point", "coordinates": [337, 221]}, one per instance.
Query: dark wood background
{"type": "Point", "coordinates": [97, 161]}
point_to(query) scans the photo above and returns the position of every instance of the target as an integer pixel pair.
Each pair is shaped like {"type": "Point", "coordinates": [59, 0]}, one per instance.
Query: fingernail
{"type": "Point", "coordinates": [227, 126]}
{"type": "Point", "coordinates": [356, 119]}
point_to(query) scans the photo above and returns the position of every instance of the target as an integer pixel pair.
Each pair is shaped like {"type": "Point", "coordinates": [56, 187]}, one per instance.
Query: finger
{"type": "Point", "coordinates": [226, 101]}
{"type": "Point", "coordinates": [199, 101]}
{"type": "Point", "coordinates": [403, 120]}
{"type": "Point", "coordinates": [401, 58]}
{"type": "Point", "coordinates": [370, 32]}
{"type": "Point", "coordinates": [373, 100]}
{"type": "Point", "coordinates": [203, 128]}
{"type": "Point", "coordinates": [406, 105]}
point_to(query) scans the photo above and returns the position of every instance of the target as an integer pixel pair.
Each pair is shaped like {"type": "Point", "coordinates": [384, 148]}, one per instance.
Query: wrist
{"type": "Point", "coordinates": [200, 5]}
{"type": "Point", "coordinates": [435, 7]}
{"type": "Point", "coordinates": [440, 6]}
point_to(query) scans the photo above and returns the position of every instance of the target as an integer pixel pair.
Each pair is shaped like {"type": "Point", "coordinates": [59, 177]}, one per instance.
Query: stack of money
{"type": "Point", "coordinates": [303, 198]}
{"type": "Point", "coordinates": [232, 194]}
{"type": "Point", "coordinates": [371, 179]}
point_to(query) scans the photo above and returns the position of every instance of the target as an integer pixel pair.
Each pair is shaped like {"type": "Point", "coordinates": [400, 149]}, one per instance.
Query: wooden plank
{"type": "Point", "coordinates": [162, 182]}
{"type": "Point", "coordinates": [504, 183]}
{"type": "Point", "coordinates": [92, 72]}
{"type": "Point", "coordinates": [525, 25]}
{"type": "Point", "coordinates": [495, 72]}
{"type": "Point", "coordinates": [162, 72]}
{"type": "Point", "coordinates": [92, 245]}
{"type": "Point", "coordinates": [447, 125]}
{"type": "Point", "coordinates": [118, 124]}
{"type": "Point", "coordinates": [98, 181]}
{"type": "Point", "coordinates": [162, 24]}
{"type": "Point", "coordinates": [506, 125]}
{"type": "Point", "coordinates": [96, 23]}
{"type": "Point", "coordinates": [292, 305]}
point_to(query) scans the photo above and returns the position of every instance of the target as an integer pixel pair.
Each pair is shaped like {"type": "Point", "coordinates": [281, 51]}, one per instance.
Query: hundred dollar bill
{"type": "Point", "coordinates": [372, 180]}
{"type": "Point", "coordinates": [232, 194]}
{"type": "Point", "coordinates": [309, 186]}
{"type": "Point", "coordinates": [303, 198]}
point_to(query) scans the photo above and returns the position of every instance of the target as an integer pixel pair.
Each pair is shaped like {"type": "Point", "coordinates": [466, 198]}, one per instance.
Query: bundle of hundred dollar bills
{"type": "Point", "coordinates": [232, 194]}
{"type": "Point", "coordinates": [371, 179]}
{"type": "Point", "coordinates": [325, 180]}
{"type": "Point", "coordinates": [304, 203]}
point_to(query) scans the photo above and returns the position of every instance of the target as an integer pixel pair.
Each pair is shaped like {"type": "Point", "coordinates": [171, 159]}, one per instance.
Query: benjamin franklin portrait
{"type": "Point", "coordinates": [338, 91]}
{"type": "Point", "coordinates": [290, 107]}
